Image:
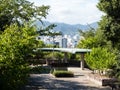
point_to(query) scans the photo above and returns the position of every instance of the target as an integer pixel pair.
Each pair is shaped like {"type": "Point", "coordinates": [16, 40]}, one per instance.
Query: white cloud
{"type": "Point", "coordinates": [71, 11]}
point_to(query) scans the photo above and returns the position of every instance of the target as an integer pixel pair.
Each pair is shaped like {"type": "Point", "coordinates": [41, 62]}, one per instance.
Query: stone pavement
{"type": "Point", "coordinates": [49, 82]}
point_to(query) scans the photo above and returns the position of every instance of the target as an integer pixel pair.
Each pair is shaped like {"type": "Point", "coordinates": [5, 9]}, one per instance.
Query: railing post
{"type": "Point", "coordinates": [82, 61]}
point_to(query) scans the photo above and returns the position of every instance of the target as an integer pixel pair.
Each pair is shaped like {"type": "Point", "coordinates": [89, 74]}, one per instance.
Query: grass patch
{"type": "Point", "coordinates": [61, 73]}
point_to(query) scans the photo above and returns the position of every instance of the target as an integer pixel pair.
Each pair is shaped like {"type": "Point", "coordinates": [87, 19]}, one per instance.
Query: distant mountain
{"type": "Point", "coordinates": [67, 28]}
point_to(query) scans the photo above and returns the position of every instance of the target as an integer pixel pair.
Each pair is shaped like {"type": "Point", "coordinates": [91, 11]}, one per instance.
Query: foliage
{"type": "Point", "coordinates": [54, 55]}
{"type": "Point", "coordinates": [16, 45]}
{"type": "Point", "coordinates": [101, 59]}
{"type": "Point", "coordinates": [115, 70]}
{"type": "Point", "coordinates": [94, 42]}
{"type": "Point", "coordinates": [39, 69]}
{"type": "Point", "coordinates": [110, 23]}
{"type": "Point", "coordinates": [48, 31]}
{"type": "Point", "coordinates": [63, 73]}
{"type": "Point", "coordinates": [88, 40]}
{"type": "Point", "coordinates": [88, 33]}
{"type": "Point", "coordinates": [109, 27]}
{"type": "Point", "coordinates": [18, 11]}
{"type": "Point", "coordinates": [93, 39]}
{"type": "Point", "coordinates": [88, 43]}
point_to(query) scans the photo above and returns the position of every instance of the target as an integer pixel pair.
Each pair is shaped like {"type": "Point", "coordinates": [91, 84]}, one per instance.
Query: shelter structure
{"type": "Point", "coordinates": [82, 52]}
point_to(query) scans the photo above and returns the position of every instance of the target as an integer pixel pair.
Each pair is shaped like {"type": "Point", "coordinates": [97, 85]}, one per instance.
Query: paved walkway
{"type": "Point", "coordinates": [49, 82]}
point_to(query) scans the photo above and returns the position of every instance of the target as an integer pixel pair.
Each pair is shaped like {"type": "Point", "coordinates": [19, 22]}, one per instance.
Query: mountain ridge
{"type": "Point", "coordinates": [68, 28]}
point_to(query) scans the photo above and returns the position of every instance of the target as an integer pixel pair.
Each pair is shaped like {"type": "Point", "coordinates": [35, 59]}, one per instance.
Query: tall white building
{"type": "Point", "coordinates": [64, 42]}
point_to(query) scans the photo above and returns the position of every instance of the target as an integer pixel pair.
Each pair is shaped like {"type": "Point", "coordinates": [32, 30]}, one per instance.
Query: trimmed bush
{"type": "Point", "coordinates": [63, 74]}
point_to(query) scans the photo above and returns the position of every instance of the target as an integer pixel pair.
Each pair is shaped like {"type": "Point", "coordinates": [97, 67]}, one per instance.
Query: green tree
{"type": "Point", "coordinates": [18, 11]}
{"type": "Point", "coordinates": [88, 33]}
{"type": "Point", "coordinates": [88, 40]}
{"type": "Point", "coordinates": [110, 23]}
{"type": "Point", "coordinates": [48, 31]}
{"type": "Point", "coordinates": [93, 38]}
{"type": "Point", "coordinates": [101, 59]}
{"type": "Point", "coordinates": [88, 43]}
{"type": "Point", "coordinates": [16, 46]}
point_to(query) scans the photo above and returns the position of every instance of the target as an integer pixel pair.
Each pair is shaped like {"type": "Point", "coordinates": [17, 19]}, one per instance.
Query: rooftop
{"type": "Point", "coordinates": [70, 50]}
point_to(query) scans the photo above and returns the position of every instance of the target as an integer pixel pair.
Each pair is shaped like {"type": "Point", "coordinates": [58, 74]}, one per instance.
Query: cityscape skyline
{"type": "Point", "coordinates": [64, 41]}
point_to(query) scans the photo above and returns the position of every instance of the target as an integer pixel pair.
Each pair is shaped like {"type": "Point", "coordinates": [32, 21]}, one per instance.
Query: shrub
{"type": "Point", "coordinates": [101, 59]}
{"type": "Point", "coordinates": [39, 69]}
{"type": "Point", "coordinates": [63, 74]}
{"type": "Point", "coordinates": [16, 44]}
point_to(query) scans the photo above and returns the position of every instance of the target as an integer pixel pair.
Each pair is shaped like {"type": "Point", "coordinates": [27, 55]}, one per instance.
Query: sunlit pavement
{"type": "Point", "coordinates": [49, 82]}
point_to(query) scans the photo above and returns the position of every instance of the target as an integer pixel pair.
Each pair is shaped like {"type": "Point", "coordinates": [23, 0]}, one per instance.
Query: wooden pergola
{"type": "Point", "coordinates": [82, 52]}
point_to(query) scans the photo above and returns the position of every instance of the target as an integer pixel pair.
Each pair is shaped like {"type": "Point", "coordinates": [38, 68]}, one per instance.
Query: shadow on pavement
{"type": "Point", "coordinates": [48, 82]}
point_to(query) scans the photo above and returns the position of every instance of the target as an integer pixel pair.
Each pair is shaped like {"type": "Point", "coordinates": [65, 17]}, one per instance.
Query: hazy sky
{"type": "Point", "coordinates": [71, 11]}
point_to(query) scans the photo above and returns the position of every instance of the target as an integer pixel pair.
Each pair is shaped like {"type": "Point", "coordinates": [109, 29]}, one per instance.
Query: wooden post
{"type": "Point", "coordinates": [82, 61]}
